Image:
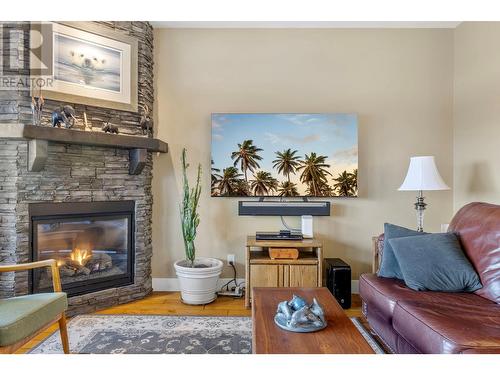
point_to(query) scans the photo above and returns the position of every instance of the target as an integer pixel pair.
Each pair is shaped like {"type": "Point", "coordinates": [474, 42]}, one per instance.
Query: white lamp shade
{"type": "Point", "coordinates": [423, 175]}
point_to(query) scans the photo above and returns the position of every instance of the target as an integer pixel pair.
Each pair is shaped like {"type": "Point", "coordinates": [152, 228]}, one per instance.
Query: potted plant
{"type": "Point", "coordinates": [197, 277]}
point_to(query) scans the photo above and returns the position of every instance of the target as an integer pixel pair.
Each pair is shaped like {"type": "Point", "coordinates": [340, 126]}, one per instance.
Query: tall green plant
{"type": "Point", "coordinates": [189, 210]}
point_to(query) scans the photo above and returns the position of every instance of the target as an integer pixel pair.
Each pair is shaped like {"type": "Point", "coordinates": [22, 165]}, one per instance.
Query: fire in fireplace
{"type": "Point", "coordinates": [93, 244]}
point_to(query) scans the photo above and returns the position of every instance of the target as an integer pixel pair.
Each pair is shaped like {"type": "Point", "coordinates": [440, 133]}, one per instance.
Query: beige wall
{"type": "Point", "coordinates": [399, 82]}
{"type": "Point", "coordinates": [477, 113]}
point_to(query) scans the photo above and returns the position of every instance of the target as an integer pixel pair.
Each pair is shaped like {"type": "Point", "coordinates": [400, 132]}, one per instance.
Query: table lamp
{"type": "Point", "coordinates": [422, 175]}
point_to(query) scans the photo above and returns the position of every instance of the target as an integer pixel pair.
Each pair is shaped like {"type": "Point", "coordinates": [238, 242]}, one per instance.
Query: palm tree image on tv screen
{"type": "Point", "coordinates": [284, 155]}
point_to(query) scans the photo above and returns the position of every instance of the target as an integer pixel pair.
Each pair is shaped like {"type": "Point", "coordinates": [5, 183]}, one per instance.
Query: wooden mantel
{"type": "Point", "coordinates": [39, 136]}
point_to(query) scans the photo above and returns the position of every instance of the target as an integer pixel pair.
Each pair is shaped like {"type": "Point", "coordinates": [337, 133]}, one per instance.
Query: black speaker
{"type": "Point", "coordinates": [279, 208]}
{"type": "Point", "coordinates": [338, 280]}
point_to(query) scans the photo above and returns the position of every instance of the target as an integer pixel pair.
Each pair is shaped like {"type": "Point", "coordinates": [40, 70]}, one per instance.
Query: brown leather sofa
{"type": "Point", "coordinates": [409, 321]}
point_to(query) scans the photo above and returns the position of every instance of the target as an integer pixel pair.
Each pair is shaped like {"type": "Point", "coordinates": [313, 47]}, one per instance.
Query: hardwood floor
{"type": "Point", "coordinates": [168, 303]}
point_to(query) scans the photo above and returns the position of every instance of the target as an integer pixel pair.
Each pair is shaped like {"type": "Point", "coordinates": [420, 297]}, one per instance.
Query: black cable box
{"type": "Point", "coordinates": [281, 235]}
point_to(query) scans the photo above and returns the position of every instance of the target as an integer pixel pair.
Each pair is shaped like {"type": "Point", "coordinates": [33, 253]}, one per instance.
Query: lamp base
{"type": "Point", "coordinates": [420, 207]}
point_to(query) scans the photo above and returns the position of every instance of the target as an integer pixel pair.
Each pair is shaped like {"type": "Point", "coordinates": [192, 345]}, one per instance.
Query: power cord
{"type": "Point", "coordinates": [233, 280]}
{"type": "Point", "coordinates": [237, 291]}
{"type": "Point", "coordinates": [288, 227]}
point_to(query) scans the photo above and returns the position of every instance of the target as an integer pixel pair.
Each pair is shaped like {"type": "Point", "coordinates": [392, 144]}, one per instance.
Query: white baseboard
{"type": "Point", "coordinates": [355, 286]}
{"type": "Point", "coordinates": [171, 284]}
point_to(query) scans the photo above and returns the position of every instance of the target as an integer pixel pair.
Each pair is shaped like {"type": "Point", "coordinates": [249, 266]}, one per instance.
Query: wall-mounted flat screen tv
{"type": "Point", "coordinates": [284, 155]}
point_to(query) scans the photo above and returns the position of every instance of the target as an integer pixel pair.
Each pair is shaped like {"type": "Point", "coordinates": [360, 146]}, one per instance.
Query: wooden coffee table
{"type": "Point", "coordinates": [339, 337]}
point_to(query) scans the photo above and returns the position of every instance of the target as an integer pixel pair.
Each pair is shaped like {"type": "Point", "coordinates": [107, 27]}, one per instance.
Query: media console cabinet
{"type": "Point", "coordinates": [262, 271]}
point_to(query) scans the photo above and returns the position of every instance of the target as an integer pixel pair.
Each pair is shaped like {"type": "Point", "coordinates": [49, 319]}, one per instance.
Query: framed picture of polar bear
{"type": "Point", "coordinates": [93, 65]}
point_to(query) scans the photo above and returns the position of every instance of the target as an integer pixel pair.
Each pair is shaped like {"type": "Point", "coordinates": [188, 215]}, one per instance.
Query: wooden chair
{"type": "Point", "coordinates": [24, 317]}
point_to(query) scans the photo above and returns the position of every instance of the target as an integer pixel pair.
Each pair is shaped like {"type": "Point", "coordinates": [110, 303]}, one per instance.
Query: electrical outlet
{"type": "Point", "coordinates": [231, 258]}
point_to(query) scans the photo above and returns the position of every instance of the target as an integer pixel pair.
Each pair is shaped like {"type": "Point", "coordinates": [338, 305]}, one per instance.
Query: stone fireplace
{"type": "Point", "coordinates": [77, 179]}
{"type": "Point", "coordinates": [90, 204]}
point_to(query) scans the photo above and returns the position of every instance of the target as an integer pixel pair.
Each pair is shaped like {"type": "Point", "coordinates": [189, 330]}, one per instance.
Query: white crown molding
{"type": "Point", "coordinates": [304, 24]}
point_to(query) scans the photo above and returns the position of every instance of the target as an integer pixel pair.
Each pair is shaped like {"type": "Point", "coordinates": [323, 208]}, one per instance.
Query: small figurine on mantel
{"type": "Point", "coordinates": [86, 123]}
{"type": "Point", "coordinates": [108, 127]}
{"type": "Point", "coordinates": [37, 108]}
{"type": "Point", "coordinates": [64, 115]}
{"type": "Point", "coordinates": [146, 122]}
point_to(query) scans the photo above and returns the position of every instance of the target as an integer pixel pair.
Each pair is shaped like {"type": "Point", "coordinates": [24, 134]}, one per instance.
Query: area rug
{"type": "Point", "coordinates": [160, 334]}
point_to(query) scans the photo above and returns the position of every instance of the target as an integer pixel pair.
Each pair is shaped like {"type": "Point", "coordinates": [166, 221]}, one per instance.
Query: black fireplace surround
{"type": "Point", "coordinates": [93, 243]}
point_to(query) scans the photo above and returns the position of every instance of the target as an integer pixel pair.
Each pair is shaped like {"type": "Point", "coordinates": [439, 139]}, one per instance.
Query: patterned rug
{"type": "Point", "coordinates": [160, 334]}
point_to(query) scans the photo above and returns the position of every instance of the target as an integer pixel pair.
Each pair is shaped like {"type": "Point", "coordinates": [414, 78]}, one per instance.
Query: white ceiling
{"type": "Point", "coordinates": [304, 24]}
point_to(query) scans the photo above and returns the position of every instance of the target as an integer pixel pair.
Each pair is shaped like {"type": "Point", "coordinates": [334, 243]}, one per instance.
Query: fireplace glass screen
{"type": "Point", "coordinates": [92, 253]}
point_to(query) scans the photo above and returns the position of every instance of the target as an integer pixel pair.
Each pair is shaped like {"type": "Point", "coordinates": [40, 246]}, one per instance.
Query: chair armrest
{"type": "Point", "coordinates": [52, 263]}
{"type": "Point", "coordinates": [27, 266]}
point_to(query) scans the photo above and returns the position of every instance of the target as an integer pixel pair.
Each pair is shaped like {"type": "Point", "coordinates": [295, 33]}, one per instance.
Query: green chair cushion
{"type": "Point", "coordinates": [23, 316]}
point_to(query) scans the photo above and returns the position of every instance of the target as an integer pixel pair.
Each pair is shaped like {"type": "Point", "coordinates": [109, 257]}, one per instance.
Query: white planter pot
{"type": "Point", "coordinates": [198, 285]}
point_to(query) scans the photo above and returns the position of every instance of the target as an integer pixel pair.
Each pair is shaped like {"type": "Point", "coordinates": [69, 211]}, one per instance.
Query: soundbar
{"type": "Point", "coordinates": [276, 208]}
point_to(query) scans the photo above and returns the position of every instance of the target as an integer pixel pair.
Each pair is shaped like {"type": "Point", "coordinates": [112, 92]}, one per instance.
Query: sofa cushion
{"type": "Point", "coordinates": [442, 327]}
{"type": "Point", "coordinates": [382, 294]}
{"type": "Point", "coordinates": [22, 316]}
{"type": "Point", "coordinates": [389, 266]}
{"type": "Point", "coordinates": [478, 227]}
{"type": "Point", "coordinates": [435, 262]}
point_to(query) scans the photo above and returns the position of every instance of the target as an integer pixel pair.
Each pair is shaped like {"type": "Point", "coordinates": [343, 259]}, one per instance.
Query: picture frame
{"type": "Point", "coordinates": [92, 65]}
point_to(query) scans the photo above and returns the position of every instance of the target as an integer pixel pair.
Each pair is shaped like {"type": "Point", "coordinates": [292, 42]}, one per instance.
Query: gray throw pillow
{"type": "Point", "coordinates": [389, 266]}
{"type": "Point", "coordinates": [435, 262]}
